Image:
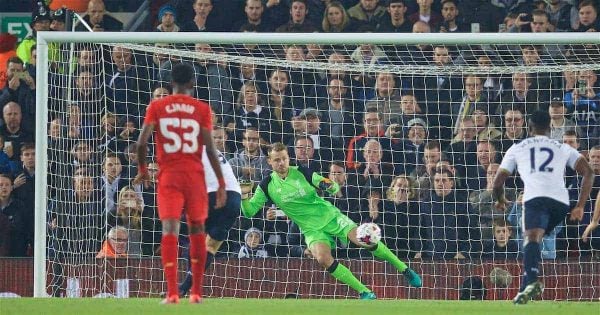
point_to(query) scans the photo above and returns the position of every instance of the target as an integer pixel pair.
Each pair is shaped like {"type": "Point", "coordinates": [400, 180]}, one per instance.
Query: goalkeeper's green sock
{"type": "Point", "coordinates": [383, 252]}
{"type": "Point", "coordinates": [344, 274]}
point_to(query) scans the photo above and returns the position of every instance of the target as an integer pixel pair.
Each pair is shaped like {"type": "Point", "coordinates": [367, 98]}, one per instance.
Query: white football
{"type": "Point", "coordinates": [368, 234]}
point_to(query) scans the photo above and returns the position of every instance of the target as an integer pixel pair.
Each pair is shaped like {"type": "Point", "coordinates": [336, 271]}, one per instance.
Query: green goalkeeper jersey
{"type": "Point", "coordinates": [296, 197]}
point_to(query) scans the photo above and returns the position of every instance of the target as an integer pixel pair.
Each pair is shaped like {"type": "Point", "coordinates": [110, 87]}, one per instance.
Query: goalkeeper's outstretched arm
{"type": "Point", "coordinates": [250, 206]}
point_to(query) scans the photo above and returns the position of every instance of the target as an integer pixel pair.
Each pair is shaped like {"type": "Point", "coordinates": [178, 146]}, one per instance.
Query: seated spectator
{"type": "Point", "coordinates": [79, 125]}
{"type": "Point", "coordinates": [306, 155]}
{"type": "Point", "coordinates": [128, 214]}
{"type": "Point", "coordinates": [336, 19]}
{"type": "Point", "coordinates": [521, 97]}
{"type": "Point", "coordinates": [340, 113]}
{"type": "Point", "coordinates": [387, 99]}
{"type": "Point", "coordinates": [116, 244]}
{"type": "Point", "coordinates": [355, 88]}
{"type": "Point", "coordinates": [451, 22]}
{"type": "Point", "coordinates": [559, 13]}
{"type": "Point", "coordinates": [128, 87]}
{"type": "Point", "coordinates": [16, 221]}
{"type": "Point", "coordinates": [20, 89]}
{"type": "Point", "coordinates": [347, 198]}
{"type": "Point", "coordinates": [374, 174]}
{"type": "Point", "coordinates": [514, 128]}
{"type": "Point", "coordinates": [81, 155]}
{"type": "Point", "coordinates": [112, 180]}
{"type": "Point", "coordinates": [399, 217]}
{"type": "Point", "coordinates": [458, 238]}
{"type": "Point", "coordinates": [367, 12]}
{"type": "Point", "coordinates": [474, 97]}
{"type": "Point", "coordinates": [309, 123]}
{"type": "Point", "coordinates": [254, 10]}
{"type": "Point", "coordinates": [395, 21]}
{"type": "Point", "coordinates": [13, 131]}
{"type": "Point", "coordinates": [128, 132]}
{"type": "Point", "coordinates": [167, 17]}
{"type": "Point", "coordinates": [107, 138]}
{"type": "Point", "coordinates": [409, 110]}
{"type": "Point", "coordinates": [588, 17]}
{"type": "Point", "coordinates": [476, 173]}
{"type": "Point", "coordinates": [410, 151]}
{"type": "Point", "coordinates": [559, 123]}
{"type": "Point", "coordinates": [302, 81]}
{"type": "Point", "coordinates": [373, 129]}
{"type": "Point", "coordinates": [221, 142]}
{"type": "Point", "coordinates": [583, 103]}
{"type": "Point", "coordinates": [284, 104]}
{"type": "Point", "coordinates": [502, 247]}
{"type": "Point", "coordinates": [423, 173]}
{"type": "Point", "coordinates": [482, 202]}
{"type": "Point", "coordinates": [462, 150]}
{"type": "Point", "coordinates": [484, 128]}
{"type": "Point", "coordinates": [98, 19]}
{"type": "Point", "coordinates": [251, 112]}
{"type": "Point", "coordinates": [426, 14]}
{"type": "Point", "coordinates": [298, 22]}
{"type": "Point", "coordinates": [213, 82]}
{"type": "Point", "coordinates": [484, 13]}
{"type": "Point", "coordinates": [250, 163]}
{"type": "Point", "coordinates": [204, 18]}
{"type": "Point", "coordinates": [87, 95]}
{"type": "Point", "coordinates": [253, 246]}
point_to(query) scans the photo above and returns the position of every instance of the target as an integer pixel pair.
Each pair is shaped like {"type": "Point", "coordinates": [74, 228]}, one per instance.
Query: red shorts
{"type": "Point", "coordinates": [178, 191]}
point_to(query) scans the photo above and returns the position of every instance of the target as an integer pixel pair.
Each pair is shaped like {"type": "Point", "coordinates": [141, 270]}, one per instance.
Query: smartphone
{"type": "Point", "coordinates": [502, 28]}
{"type": "Point", "coordinates": [582, 87]}
{"type": "Point", "coordinates": [475, 27]}
{"type": "Point", "coordinates": [279, 213]}
{"type": "Point", "coordinates": [21, 74]}
{"type": "Point", "coordinates": [526, 18]}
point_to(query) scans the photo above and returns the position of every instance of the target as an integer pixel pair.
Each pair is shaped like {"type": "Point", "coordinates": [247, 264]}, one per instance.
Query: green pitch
{"type": "Point", "coordinates": [29, 306]}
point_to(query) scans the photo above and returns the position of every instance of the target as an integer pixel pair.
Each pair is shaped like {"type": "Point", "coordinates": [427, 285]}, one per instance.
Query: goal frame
{"type": "Point", "coordinates": [45, 38]}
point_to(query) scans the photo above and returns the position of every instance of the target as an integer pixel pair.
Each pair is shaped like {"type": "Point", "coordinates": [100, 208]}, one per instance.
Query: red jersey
{"type": "Point", "coordinates": [177, 120]}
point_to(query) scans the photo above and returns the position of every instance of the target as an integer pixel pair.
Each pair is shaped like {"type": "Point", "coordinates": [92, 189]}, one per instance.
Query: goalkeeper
{"type": "Point", "coordinates": [293, 190]}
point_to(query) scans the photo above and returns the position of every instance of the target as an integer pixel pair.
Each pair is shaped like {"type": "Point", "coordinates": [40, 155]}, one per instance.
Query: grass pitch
{"type": "Point", "coordinates": [30, 306]}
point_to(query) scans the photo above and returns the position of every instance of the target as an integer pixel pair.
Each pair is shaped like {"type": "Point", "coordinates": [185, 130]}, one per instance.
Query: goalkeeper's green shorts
{"type": "Point", "coordinates": [338, 227]}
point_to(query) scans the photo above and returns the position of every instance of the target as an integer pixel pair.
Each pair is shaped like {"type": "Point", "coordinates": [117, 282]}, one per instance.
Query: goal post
{"type": "Point", "coordinates": [445, 276]}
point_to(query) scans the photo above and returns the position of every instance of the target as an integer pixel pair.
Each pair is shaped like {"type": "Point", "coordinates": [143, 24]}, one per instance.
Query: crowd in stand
{"type": "Point", "coordinates": [415, 154]}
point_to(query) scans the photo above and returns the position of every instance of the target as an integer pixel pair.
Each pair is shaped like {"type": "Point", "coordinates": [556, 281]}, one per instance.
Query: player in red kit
{"type": "Point", "coordinates": [183, 126]}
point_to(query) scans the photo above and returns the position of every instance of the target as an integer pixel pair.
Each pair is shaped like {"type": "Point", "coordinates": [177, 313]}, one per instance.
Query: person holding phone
{"type": "Point", "coordinates": [19, 88]}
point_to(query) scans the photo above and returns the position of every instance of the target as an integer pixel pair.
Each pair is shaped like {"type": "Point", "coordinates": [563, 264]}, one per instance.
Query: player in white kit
{"type": "Point", "coordinates": [219, 221]}
{"type": "Point", "coordinates": [541, 163]}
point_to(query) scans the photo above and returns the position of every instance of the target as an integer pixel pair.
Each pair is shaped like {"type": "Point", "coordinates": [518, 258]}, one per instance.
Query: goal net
{"type": "Point", "coordinates": [411, 127]}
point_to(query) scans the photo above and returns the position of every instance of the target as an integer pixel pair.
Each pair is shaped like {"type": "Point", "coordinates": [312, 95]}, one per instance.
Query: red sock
{"type": "Point", "coordinates": [168, 249]}
{"type": "Point", "coordinates": [198, 260]}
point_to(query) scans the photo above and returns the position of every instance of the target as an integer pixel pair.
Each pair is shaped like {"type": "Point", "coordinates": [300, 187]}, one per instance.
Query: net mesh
{"type": "Point", "coordinates": [413, 133]}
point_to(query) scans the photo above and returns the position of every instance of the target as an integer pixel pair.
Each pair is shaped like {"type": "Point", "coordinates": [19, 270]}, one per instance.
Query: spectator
{"type": "Point", "coordinates": [476, 173]}
{"type": "Point", "coordinates": [336, 19]}
{"type": "Point", "coordinates": [388, 100]}
{"type": "Point", "coordinates": [58, 18]}
{"type": "Point", "coordinates": [112, 181]}
{"type": "Point", "coordinates": [280, 99]}
{"type": "Point", "coordinates": [426, 14]}
{"type": "Point", "coordinates": [502, 247]}
{"type": "Point", "coordinates": [40, 22]}
{"type": "Point", "coordinates": [561, 15]}
{"type": "Point", "coordinates": [588, 17]}
{"type": "Point", "coordinates": [458, 238]}
{"type": "Point", "coordinates": [520, 97]}
{"type": "Point", "coordinates": [374, 173]}
{"type": "Point", "coordinates": [128, 214]}
{"type": "Point", "coordinates": [399, 217]}
{"type": "Point", "coordinates": [474, 97]}
{"type": "Point", "coordinates": [19, 88]}
{"type": "Point", "coordinates": [559, 122]}
{"type": "Point", "coordinates": [482, 202]}
{"type": "Point", "coordinates": [254, 10]}
{"type": "Point", "coordinates": [583, 103]}
{"type": "Point", "coordinates": [128, 87]}
{"type": "Point", "coordinates": [7, 166]}
{"type": "Point", "coordinates": [13, 130]}
{"type": "Point", "coordinates": [203, 19]}
{"type": "Point", "coordinates": [247, 72]}
{"type": "Point", "coordinates": [493, 84]}
{"type": "Point", "coordinates": [16, 221]}
{"type": "Point", "coordinates": [221, 142]}
{"type": "Point", "coordinates": [367, 12]}
{"type": "Point", "coordinates": [306, 155]}
{"type": "Point", "coordinates": [347, 198]}
{"type": "Point", "coordinates": [116, 244]}
{"type": "Point", "coordinates": [462, 150]}
{"type": "Point", "coordinates": [167, 16]}
{"type": "Point", "coordinates": [484, 128]}
{"type": "Point", "coordinates": [87, 96]}
{"type": "Point", "coordinates": [410, 151]}
{"type": "Point", "coordinates": [98, 19]}
{"type": "Point", "coordinates": [395, 21]}
{"type": "Point", "coordinates": [340, 112]}
{"type": "Point", "coordinates": [373, 129]}
{"type": "Point", "coordinates": [107, 139]}
{"type": "Point", "coordinates": [451, 23]}
{"type": "Point", "coordinates": [253, 245]}
{"type": "Point", "coordinates": [301, 81]}
{"type": "Point", "coordinates": [368, 55]}
{"type": "Point", "coordinates": [514, 128]}
{"type": "Point", "coordinates": [30, 67]}
{"type": "Point", "coordinates": [409, 110]}
{"type": "Point", "coordinates": [24, 187]}
{"type": "Point", "coordinates": [309, 123]}
{"type": "Point", "coordinates": [250, 163]}
{"type": "Point", "coordinates": [7, 51]}
{"type": "Point", "coordinates": [160, 92]}
{"type": "Point", "coordinates": [79, 126]}
{"type": "Point", "coordinates": [251, 112]}
{"type": "Point", "coordinates": [542, 83]}
{"type": "Point", "coordinates": [483, 13]}
{"type": "Point", "coordinates": [82, 155]}
{"type": "Point", "coordinates": [298, 22]}
{"type": "Point", "coordinates": [355, 87]}
{"type": "Point", "coordinates": [213, 82]}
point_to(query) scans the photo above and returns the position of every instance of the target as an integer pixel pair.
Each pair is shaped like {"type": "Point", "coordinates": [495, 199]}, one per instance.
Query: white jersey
{"type": "Point", "coordinates": [541, 162]}
{"type": "Point", "coordinates": [212, 184]}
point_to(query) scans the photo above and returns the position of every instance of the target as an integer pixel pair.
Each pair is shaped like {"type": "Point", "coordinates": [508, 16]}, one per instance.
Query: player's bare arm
{"type": "Point", "coordinates": [142, 152]}
{"type": "Point", "coordinates": [211, 152]}
{"type": "Point", "coordinates": [584, 169]}
{"type": "Point", "coordinates": [595, 220]}
{"type": "Point", "coordinates": [498, 189]}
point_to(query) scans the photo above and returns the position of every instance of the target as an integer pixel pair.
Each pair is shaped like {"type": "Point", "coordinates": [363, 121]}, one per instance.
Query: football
{"type": "Point", "coordinates": [368, 234]}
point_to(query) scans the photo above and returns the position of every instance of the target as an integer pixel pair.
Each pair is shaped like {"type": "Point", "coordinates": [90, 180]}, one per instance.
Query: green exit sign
{"type": "Point", "coordinates": [16, 25]}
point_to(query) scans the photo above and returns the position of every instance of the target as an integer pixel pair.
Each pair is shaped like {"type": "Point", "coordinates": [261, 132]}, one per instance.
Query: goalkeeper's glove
{"type": "Point", "coordinates": [326, 184]}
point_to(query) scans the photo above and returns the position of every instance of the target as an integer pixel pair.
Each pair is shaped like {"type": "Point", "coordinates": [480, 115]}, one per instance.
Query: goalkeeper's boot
{"type": "Point", "coordinates": [367, 296]}
{"type": "Point", "coordinates": [195, 299]}
{"type": "Point", "coordinates": [173, 299]}
{"type": "Point", "coordinates": [413, 278]}
{"type": "Point", "coordinates": [530, 292]}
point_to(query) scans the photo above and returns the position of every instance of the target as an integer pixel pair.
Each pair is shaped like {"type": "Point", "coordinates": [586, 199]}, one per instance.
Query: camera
{"type": "Point", "coordinates": [526, 18]}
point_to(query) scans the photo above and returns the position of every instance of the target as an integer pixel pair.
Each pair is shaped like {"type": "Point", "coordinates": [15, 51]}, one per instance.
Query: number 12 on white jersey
{"type": "Point", "coordinates": [189, 143]}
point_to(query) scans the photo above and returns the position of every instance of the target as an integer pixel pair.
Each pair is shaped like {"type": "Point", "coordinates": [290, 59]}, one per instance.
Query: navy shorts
{"type": "Point", "coordinates": [220, 221]}
{"type": "Point", "coordinates": [544, 213]}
